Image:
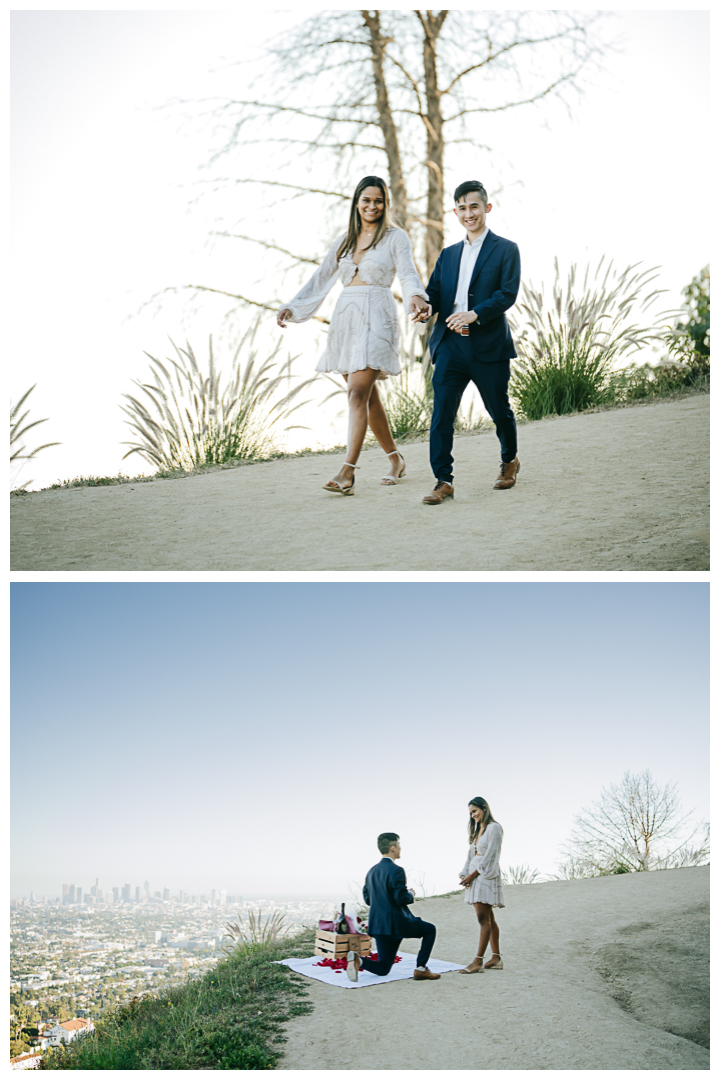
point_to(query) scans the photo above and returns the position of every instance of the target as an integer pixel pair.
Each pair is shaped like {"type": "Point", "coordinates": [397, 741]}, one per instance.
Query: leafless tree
{"type": "Point", "coordinates": [393, 92]}
{"type": "Point", "coordinates": [634, 825]}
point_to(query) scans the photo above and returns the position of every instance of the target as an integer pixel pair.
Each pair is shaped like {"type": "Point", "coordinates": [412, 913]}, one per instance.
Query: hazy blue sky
{"type": "Point", "coordinates": [258, 737]}
{"type": "Point", "coordinates": [106, 178]}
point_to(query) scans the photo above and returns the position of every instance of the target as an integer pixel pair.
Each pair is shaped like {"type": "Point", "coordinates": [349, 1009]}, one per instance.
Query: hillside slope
{"type": "Point", "coordinates": [603, 973]}
{"type": "Point", "coordinates": [625, 489]}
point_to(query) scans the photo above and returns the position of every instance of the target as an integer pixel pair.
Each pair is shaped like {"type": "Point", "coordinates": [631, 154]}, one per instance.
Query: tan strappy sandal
{"type": "Point", "coordinates": [388, 480]}
{"type": "Point", "coordinates": [342, 489]}
{"type": "Point", "coordinates": [467, 971]}
{"type": "Point", "coordinates": [494, 967]}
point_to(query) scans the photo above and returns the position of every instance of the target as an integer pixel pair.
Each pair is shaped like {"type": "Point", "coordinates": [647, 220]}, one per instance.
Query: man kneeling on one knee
{"type": "Point", "coordinates": [386, 891]}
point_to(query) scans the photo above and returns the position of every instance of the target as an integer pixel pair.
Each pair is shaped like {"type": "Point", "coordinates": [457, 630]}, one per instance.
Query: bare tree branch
{"type": "Point", "coordinates": [272, 247]}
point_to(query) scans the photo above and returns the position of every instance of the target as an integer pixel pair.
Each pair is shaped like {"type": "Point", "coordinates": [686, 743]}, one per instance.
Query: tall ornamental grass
{"type": "Point", "coordinates": [186, 418]}
{"type": "Point", "coordinates": [408, 397]}
{"type": "Point", "coordinates": [569, 347]}
{"type": "Point", "coordinates": [19, 453]}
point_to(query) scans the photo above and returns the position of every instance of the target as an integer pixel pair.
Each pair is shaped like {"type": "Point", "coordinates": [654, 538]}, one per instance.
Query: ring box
{"type": "Point", "coordinates": [335, 946]}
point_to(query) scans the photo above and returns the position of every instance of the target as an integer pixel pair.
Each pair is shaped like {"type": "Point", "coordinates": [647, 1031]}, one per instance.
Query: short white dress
{"type": "Point", "coordinates": [484, 856]}
{"type": "Point", "coordinates": [364, 330]}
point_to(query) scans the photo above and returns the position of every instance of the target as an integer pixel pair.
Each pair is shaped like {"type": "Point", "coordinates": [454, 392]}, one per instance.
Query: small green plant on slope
{"type": "Point", "coordinates": [687, 346]}
{"type": "Point", "coordinates": [229, 1018]}
{"type": "Point", "coordinates": [521, 875]}
{"type": "Point", "coordinates": [569, 346]}
{"type": "Point", "coordinates": [697, 312]}
{"type": "Point", "coordinates": [189, 420]}
{"type": "Point", "coordinates": [256, 931]}
{"type": "Point", "coordinates": [18, 456]}
{"type": "Point", "coordinates": [408, 397]}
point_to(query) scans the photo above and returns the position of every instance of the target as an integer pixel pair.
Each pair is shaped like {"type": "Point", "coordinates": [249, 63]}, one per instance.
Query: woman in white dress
{"type": "Point", "coordinates": [482, 879]}
{"type": "Point", "coordinates": [363, 342]}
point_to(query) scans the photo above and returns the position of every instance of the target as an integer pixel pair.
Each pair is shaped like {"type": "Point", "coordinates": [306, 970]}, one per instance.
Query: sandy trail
{"type": "Point", "coordinates": [625, 489]}
{"type": "Point", "coordinates": [603, 973]}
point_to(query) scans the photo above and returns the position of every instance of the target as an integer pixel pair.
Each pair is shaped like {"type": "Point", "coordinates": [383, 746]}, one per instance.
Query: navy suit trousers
{"type": "Point", "coordinates": [388, 946]}
{"type": "Point", "coordinates": [455, 367]}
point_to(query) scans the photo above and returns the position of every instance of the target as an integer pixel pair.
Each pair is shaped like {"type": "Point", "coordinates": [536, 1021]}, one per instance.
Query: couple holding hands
{"type": "Point", "coordinates": [471, 287]}
{"type": "Point", "coordinates": [386, 892]}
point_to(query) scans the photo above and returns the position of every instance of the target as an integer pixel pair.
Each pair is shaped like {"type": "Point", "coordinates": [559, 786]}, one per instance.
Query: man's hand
{"type": "Point", "coordinates": [420, 310]}
{"type": "Point", "coordinates": [411, 891]}
{"type": "Point", "coordinates": [458, 319]}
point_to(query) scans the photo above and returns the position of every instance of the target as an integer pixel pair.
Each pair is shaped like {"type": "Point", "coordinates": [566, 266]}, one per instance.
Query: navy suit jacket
{"type": "Point", "coordinates": [493, 289]}
{"type": "Point", "coordinates": [386, 891]}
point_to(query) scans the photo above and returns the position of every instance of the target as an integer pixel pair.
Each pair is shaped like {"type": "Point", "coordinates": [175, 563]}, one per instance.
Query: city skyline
{"type": "Point", "coordinates": [214, 746]}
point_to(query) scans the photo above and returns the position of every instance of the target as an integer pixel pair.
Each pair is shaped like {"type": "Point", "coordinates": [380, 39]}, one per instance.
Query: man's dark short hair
{"type": "Point", "coordinates": [467, 187]}
{"type": "Point", "coordinates": [386, 840]}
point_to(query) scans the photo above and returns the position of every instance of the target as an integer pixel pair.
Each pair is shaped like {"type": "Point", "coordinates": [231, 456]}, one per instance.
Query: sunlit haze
{"type": "Point", "coordinates": [257, 738]}
{"type": "Point", "coordinates": [111, 203]}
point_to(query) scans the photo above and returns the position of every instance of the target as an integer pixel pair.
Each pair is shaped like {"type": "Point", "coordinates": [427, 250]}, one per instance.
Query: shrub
{"type": "Point", "coordinates": [189, 421]}
{"type": "Point", "coordinates": [683, 368]}
{"type": "Point", "coordinates": [408, 401]}
{"type": "Point", "coordinates": [568, 347]}
{"type": "Point", "coordinates": [697, 307]}
{"type": "Point", "coordinates": [562, 375]}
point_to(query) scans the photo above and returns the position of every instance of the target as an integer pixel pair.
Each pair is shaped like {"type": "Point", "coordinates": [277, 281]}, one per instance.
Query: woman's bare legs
{"type": "Point", "coordinates": [489, 934]}
{"type": "Point", "coordinates": [377, 418]}
{"type": "Point", "coordinates": [365, 407]}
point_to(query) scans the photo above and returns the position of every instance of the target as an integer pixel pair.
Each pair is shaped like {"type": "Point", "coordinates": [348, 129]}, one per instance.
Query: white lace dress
{"type": "Point", "coordinates": [484, 856]}
{"type": "Point", "coordinates": [364, 330]}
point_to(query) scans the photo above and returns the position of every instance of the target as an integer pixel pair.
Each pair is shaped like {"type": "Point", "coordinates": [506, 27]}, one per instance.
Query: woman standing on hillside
{"type": "Point", "coordinates": [363, 341]}
{"type": "Point", "coordinates": [482, 879]}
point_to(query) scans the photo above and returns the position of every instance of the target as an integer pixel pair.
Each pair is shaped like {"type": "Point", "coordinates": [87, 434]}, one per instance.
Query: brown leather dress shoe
{"type": "Point", "coordinates": [439, 492]}
{"type": "Point", "coordinates": [508, 473]}
{"type": "Point", "coordinates": [426, 973]}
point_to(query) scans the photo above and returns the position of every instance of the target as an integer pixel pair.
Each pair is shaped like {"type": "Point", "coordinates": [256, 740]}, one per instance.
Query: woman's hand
{"type": "Point", "coordinates": [283, 316]}
{"type": "Point", "coordinates": [468, 880]}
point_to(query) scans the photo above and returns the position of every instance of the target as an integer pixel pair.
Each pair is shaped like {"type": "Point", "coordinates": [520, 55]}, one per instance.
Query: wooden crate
{"type": "Point", "coordinates": [338, 945]}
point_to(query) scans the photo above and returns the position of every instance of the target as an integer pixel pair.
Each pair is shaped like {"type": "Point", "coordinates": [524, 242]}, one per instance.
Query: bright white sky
{"type": "Point", "coordinates": [103, 179]}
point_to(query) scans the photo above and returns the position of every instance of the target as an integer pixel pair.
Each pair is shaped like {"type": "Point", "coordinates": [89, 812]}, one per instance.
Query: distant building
{"type": "Point", "coordinates": [137, 894]}
{"type": "Point", "coordinates": [166, 894]}
{"type": "Point", "coordinates": [26, 1061]}
{"type": "Point", "coordinates": [116, 894]}
{"type": "Point", "coordinates": [126, 892]}
{"type": "Point", "coordinates": [66, 1032]}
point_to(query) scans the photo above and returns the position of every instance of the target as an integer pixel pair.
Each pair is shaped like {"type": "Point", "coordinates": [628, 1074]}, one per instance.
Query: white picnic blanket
{"type": "Point", "coordinates": [403, 970]}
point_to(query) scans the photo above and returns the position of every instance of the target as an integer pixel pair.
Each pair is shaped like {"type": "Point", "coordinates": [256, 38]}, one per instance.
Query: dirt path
{"type": "Point", "coordinates": [605, 973]}
{"type": "Point", "coordinates": [625, 489]}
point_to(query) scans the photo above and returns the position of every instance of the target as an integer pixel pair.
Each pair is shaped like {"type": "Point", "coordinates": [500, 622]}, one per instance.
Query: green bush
{"type": "Point", "coordinates": [408, 401]}
{"type": "Point", "coordinates": [569, 343]}
{"type": "Point", "coordinates": [562, 374]}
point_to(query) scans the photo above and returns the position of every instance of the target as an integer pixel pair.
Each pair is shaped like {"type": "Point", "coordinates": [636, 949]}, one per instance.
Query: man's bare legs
{"type": "Point", "coordinates": [365, 407]}
{"type": "Point", "coordinates": [489, 933]}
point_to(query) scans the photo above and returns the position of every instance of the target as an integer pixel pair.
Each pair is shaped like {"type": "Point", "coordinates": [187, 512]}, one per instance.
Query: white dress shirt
{"type": "Point", "coordinates": [470, 253]}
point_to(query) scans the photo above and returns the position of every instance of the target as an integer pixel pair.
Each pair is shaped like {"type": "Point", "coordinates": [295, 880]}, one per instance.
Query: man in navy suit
{"type": "Point", "coordinates": [386, 891]}
{"type": "Point", "coordinates": [472, 286]}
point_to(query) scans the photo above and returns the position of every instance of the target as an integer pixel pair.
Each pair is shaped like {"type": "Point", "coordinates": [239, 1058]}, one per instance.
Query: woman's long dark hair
{"type": "Point", "coordinates": [476, 828]}
{"type": "Point", "coordinates": [355, 224]}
